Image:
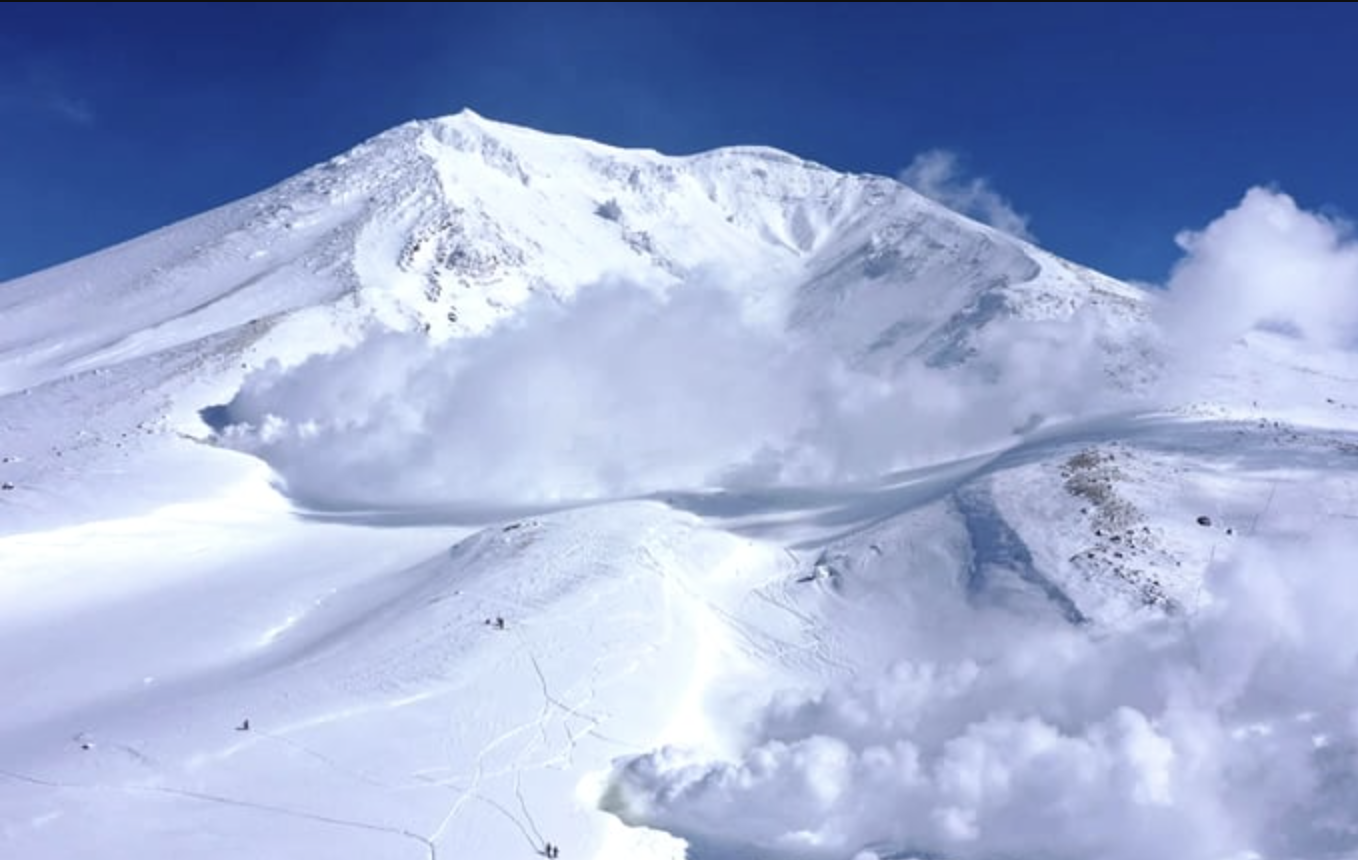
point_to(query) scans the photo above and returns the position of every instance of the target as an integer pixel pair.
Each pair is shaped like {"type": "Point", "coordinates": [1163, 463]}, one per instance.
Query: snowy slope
{"type": "Point", "coordinates": [823, 521]}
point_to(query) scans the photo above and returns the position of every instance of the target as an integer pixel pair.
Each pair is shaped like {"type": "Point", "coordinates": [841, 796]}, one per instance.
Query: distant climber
{"type": "Point", "coordinates": [499, 623]}
{"type": "Point", "coordinates": [551, 851]}
{"type": "Point", "coordinates": [244, 726]}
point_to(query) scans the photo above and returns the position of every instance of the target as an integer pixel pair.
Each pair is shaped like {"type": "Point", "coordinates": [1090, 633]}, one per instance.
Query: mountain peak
{"type": "Point", "coordinates": [466, 115]}
{"type": "Point", "coordinates": [469, 120]}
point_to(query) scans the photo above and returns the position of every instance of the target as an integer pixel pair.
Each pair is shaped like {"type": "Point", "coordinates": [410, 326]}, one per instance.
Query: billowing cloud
{"type": "Point", "coordinates": [1230, 734]}
{"type": "Point", "coordinates": [1265, 264]}
{"type": "Point", "coordinates": [938, 174]}
{"type": "Point", "coordinates": [624, 391]}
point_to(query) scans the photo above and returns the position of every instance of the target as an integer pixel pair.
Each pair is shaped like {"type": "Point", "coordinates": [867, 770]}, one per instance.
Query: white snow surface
{"type": "Point", "coordinates": [823, 522]}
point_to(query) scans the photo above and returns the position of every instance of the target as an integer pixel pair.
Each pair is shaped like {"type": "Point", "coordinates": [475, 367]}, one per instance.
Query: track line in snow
{"type": "Point", "coordinates": [430, 849]}
{"type": "Point", "coordinates": [352, 773]}
{"type": "Point", "coordinates": [480, 773]}
{"type": "Point", "coordinates": [528, 837]}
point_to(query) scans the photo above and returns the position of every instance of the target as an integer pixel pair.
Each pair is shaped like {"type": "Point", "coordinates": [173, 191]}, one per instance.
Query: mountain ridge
{"type": "Point", "coordinates": [438, 225]}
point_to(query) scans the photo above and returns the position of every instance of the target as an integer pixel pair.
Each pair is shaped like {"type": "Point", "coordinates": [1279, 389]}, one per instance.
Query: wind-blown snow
{"type": "Point", "coordinates": [822, 522]}
{"type": "Point", "coordinates": [937, 174]}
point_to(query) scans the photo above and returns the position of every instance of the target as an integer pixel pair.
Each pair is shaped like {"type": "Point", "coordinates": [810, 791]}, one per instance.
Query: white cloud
{"type": "Point", "coordinates": [1265, 263]}
{"type": "Point", "coordinates": [1231, 735]}
{"type": "Point", "coordinates": [621, 392]}
{"type": "Point", "coordinates": [938, 174]}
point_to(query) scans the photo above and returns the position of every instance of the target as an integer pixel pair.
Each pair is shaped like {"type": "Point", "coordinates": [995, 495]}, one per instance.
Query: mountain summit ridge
{"type": "Point", "coordinates": [447, 225]}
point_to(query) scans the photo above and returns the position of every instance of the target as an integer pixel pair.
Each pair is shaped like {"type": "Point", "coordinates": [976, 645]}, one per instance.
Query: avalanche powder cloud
{"type": "Point", "coordinates": [1230, 734]}
{"type": "Point", "coordinates": [623, 391]}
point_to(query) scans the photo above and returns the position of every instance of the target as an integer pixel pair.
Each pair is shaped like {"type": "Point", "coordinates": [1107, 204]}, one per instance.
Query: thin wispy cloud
{"type": "Point", "coordinates": [37, 87]}
{"type": "Point", "coordinates": [76, 111]}
{"type": "Point", "coordinates": [939, 175]}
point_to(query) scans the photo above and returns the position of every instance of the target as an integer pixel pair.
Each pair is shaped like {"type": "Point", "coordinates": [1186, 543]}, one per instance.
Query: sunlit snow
{"type": "Point", "coordinates": [482, 489]}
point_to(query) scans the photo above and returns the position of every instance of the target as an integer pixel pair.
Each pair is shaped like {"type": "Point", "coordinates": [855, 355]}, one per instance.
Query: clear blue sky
{"type": "Point", "coordinates": [1112, 126]}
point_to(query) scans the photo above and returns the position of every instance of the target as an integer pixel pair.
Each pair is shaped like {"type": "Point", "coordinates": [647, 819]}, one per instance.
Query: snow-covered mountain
{"type": "Point", "coordinates": [482, 488]}
{"type": "Point", "coordinates": [450, 225]}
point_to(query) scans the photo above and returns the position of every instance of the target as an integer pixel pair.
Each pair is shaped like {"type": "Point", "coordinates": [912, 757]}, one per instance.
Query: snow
{"type": "Point", "coordinates": [823, 522]}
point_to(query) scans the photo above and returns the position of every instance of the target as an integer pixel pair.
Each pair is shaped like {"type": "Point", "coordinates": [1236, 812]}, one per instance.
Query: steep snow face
{"type": "Point", "coordinates": [866, 263]}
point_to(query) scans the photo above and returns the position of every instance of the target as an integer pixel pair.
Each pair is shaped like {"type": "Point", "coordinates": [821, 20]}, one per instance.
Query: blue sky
{"type": "Point", "coordinates": [1110, 126]}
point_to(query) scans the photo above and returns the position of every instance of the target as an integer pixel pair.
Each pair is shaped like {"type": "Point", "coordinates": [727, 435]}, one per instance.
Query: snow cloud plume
{"type": "Point", "coordinates": [621, 391]}
{"type": "Point", "coordinates": [938, 175]}
{"type": "Point", "coordinates": [1265, 264]}
{"type": "Point", "coordinates": [1230, 734]}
